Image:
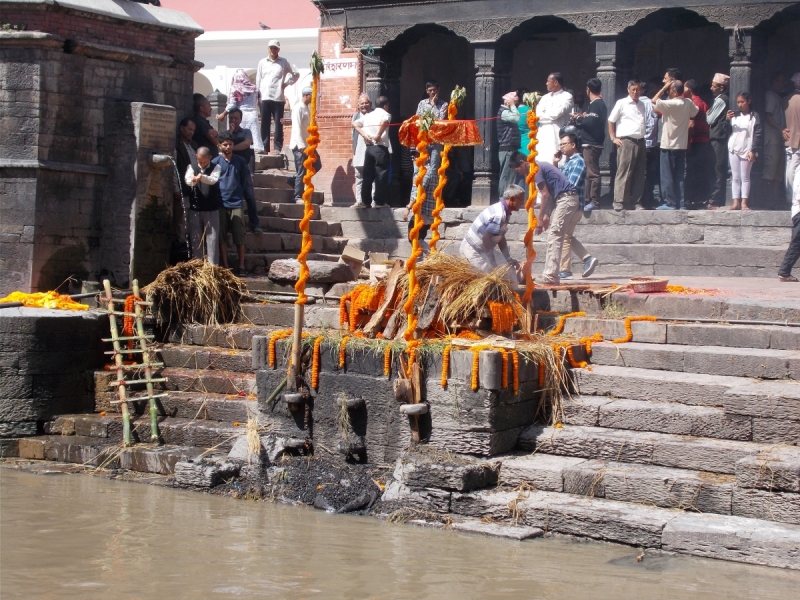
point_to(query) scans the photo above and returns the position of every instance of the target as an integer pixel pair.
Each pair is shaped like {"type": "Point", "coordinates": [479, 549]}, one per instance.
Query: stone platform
{"type": "Point", "coordinates": [628, 243]}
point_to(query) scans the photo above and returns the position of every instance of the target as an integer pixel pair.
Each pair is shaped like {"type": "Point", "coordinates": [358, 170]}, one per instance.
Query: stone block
{"type": "Point", "coordinates": [747, 236]}
{"type": "Point", "coordinates": [747, 362]}
{"type": "Point", "coordinates": [584, 410]}
{"type": "Point", "coordinates": [461, 475]}
{"type": "Point", "coordinates": [640, 356]}
{"type": "Point", "coordinates": [765, 399]}
{"type": "Point", "coordinates": [155, 460]}
{"type": "Point", "coordinates": [9, 448]}
{"type": "Point", "coordinates": [586, 479]}
{"type": "Point", "coordinates": [204, 474]}
{"type": "Point", "coordinates": [643, 331]}
{"type": "Point", "coordinates": [670, 234]}
{"type": "Point", "coordinates": [774, 469]}
{"type": "Point", "coordinates": [769, 506]}
{"type": "Point", "coordinates": [513, 532]}
{"type": "Point", "coordinates": [259, 351]}
{"type": "Point", "coordinates": [477, 443]}
{"type": "Point", "coordinates": [776, 431]}
{"type": "Point", "coordinates": [32, 448]}
{"type": "Point", "coordinates": [734, 538]}
{"type": "Point", "coordinates": [542, 471]}
{"type": "Point", "coordinates": [320, 271]}
{"type": "Point", "coordinates": [607, 234]}
{"type": "Point", "coordinates": [17, 429]}
{"type": "Point", "coordinates": [700, 334]}
{"type": "Point", "coordinates": [679, 419]}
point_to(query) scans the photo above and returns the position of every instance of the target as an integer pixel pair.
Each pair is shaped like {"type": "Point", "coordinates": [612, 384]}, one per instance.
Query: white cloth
{"type": "Point", "coordinates": [301, 119]}
{"type": "Point", "coordinates": [629, 117]}
{"type": "Point", "coordinates": [370, 124]}
{"type": "Point", "coordinates": [207, 179]}
{"type": "Point", "coordinates": [271, 75]}
{"type": "Point", "coordinates": [650, 124]}
{"type": "Point", "coordinates": [740, 176]}
{"type": "Point", "coordinates": [553, 112]}
{"type": "Point", "coordinates": [250, 110]}
{"type": "Point", "coordinates": [793, 179]}
{"type": "Point", "coordinates": [741, 140]}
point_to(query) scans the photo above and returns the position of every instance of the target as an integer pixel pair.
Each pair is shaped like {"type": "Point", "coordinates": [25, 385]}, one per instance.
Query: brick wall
{"type": "Point", "coordinates": [100, 29]}
{"type": "Point", "coordinates": [338, 102]}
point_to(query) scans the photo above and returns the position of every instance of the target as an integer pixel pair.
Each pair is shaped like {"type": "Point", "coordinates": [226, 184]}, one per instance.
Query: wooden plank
{"type": "Point", "coordinates": [391, 325]}
{"type": "Point", "coordinates": [374, 324]}
{"type": "Point", "coordinates": [416, 386]}
{"type": "Point", "coordinates": [430, 307]}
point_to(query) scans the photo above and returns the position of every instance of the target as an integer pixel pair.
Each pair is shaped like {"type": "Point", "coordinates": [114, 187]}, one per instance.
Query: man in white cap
{"type": "Point", "coordinates": [271, 81]}
{"type": "Point", "coordinates": [301, 119]}
{"type": "Point", "coordinates": [553, 111]}
{"type": "Point", "coordinates": [718, 134]}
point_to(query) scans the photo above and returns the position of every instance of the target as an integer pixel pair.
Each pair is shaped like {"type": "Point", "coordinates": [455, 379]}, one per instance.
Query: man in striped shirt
{"type": "Point", "coordinates": [488, 232]}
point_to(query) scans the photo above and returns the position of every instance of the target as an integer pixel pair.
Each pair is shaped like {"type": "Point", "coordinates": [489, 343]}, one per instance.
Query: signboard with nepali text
{"type": "Point", "coordinates": [339, 68]}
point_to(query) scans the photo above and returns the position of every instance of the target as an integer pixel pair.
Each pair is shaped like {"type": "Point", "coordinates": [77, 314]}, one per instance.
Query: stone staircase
{"type": "Point", "coordinates": [280, 217]}
{"type": "Point", "coordinates": [671, 442]}
{"type": "Point", "coordinates": [627, 243]}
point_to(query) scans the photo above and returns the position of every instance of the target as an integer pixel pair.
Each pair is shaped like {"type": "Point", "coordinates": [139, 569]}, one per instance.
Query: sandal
{"type": "Point", "coordinates": [788, 278]}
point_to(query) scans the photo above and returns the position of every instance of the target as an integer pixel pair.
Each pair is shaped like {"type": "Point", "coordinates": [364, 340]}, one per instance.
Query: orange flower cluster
{"type": "Point", "coordinates": [446, 364]}
{"type": "Point", "coordinates": [273, 339]}
{"type": "Point", "coordinates": [530, 253]}
{"type": "Point", "coordinates": [679, 289]}
{"type": "Point", "coordinates": [504, 318]}
{"type": "Point", "coordinates": [343, 352]}
{"type": "Point", "coordinates": [387, 360]}
{"type": "Point", "coordinates": [628, 332]}
{"type": "Point", "coordinates": [311, 158]}
{"type": "Point", "coordinates": [469, 335]}
{"type": "Point", "coordinates": [315, 362]}
{"type": "Point", "coordinates": [412, 355]}
{"type": "Point", "coordinates": [127, 320]}
{"type": "Point", "coordinates": [588, 341]}
{"type": "Point", "coordinates": [563, 319]}
{"type": "Point", "coordinates": [452, 110]}
{"type": "Point", "coordinates": [504, 378]}
{"type": "Point", "coordinates": [362, 298]}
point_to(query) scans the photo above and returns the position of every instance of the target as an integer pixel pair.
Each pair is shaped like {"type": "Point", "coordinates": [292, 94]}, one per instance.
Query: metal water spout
{"type": "Point", "coordinates": [159, 161]}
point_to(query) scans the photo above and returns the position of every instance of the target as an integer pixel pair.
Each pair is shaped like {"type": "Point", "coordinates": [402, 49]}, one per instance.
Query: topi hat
{"type": "Point", "coordinates": [721, 78]}
{"type": "Point", "coordinates": [510, 96]}
{"type": "Point", "coordinates": [307, 90]}
{"type": "Point", "coordinates": [274, 44]}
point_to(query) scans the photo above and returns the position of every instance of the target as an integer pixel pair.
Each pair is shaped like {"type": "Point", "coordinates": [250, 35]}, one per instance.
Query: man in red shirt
{"type": "Point", "coordinates": [699, 155]}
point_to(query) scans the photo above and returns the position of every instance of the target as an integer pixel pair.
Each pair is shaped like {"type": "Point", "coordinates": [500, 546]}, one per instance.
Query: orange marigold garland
{"type": "Point", "coordinates": [573, 362]}
{"type": "Point", "coordinates": [563, 319]}
{"type": "Point", "coordinates": [504, 317]}
{"type": "Point", "coordinates": [515, 359]}
{"type": "Point", "coordinates": [127, 320]}
{"type": "Point", "coordinates": [387, 360]}
{"type": "Point", "coordinates": [273, 339]}
{"type": "Point", "coordinates": [628, 332]}
{"type": "Point", "coordinates": [446, 364]}
{"type": "Point", "coordinates": [530, 253]}
{"type": "Point", "coordinates": [476, 351]}
{"type": "Point", "coordinates": [343, 351]}
{"type": "Point", "coordinates": [504, 377]}
{"type": "Point", "coordinates": [452, 111]}
{"type": "Point", "coordinates": [588, 341]}
{"type": "Point", "coordinates": [317, 67]}
{"type": "Point", "coordinates": [315, 362]}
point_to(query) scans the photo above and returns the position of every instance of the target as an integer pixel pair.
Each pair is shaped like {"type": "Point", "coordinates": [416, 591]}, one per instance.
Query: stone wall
{"type": "Point", "coordinates": [59, 140]}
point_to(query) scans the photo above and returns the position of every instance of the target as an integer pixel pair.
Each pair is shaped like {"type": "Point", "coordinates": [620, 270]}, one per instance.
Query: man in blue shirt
{"type": "Point", "coordinates": [559, 203]}
{"type": "Point", "coordinates": [574, 169]}
{"type": "Point", "coordinates": [235, 186]}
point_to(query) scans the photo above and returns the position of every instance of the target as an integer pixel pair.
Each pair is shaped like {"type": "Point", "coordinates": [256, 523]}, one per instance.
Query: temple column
{"type": "Point", "coordinates": [742, 48]}
{"type": "Point", "coordinates": [373, 83]}
{"type": "Point", "coordinates": [606, 57]}
{"type": "Point", "coordinates": [484, 187]}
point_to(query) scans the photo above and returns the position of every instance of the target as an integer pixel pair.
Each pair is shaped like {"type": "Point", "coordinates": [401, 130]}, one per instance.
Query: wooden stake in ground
{"type": "Point", "coordinates": [317, 67]}
{"type": "Point", "coordinates": [118, 351]}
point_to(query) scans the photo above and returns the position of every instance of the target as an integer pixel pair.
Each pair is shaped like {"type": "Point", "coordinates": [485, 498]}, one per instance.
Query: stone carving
{"type": "Point", "coordinates": [740, 15]}
{"type": "Point", "coordinates": [485, 30]}
{"type": "Point", "coordinates": [607, 23]}
{"type": "Point", "coordinates": [377, 37]}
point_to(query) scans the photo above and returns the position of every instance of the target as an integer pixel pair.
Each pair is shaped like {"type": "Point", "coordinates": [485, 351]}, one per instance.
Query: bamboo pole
{"type": "Point", "coordinates": [123, 400]}
{"type": "Point", "coordinates": [148, 373]}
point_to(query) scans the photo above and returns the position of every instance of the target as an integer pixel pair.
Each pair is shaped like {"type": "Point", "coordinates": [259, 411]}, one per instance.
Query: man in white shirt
{"type": "Point", "coordinates": [360, 149]}
{"type": "Point", "coordinates": [676, 113]}
{"type": "Point", "coordinates": [271, 81]}
{"type": "Point", "coordinates": [626, 127]}
{"type": "Point", "coordinates": [373, 127]}
{"type": "Point", "coordinates": [553, 111]}
{"type": "Point", "coordinates": [301, 118]}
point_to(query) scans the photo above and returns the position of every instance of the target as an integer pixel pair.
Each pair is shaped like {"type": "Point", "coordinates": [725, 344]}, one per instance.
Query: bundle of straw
{"type": "Point", "coordinates": [195, 292]}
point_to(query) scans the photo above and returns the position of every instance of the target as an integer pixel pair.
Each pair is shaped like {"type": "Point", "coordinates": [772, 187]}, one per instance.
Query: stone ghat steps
{"type": "Point", "coordinates": [272, 241]}
{"type": "Point", "coordinates": [258, 263]}
{"type": "Point", "coordinates": [207, 358]}
{"type": "Point", "coordinates": [105, 453]}
{"type": "Point", "coordinates": [733, 538]}
{"type": "Point", "coordinates": [657, 417]}
{"type": "Point", "coordinates": [284, 196]}
{"type": "Point", "coordinates": [270, 161]}
{"type": "Point", "coordinates": [286, 225]}
{"type": "Point", "coordinates": [208, 381]}
{"type": "Point", "coordinates": [642, 447]}
{"type": "Point", "coordinates": [197, 406]}
{"type": "Point", "coordinates": [763, 337]}
{"type": "Point", "coordinates": [710, 360]}
{"type": "Point", "coordinates": [287, 211]}
{"type": "Point", "coordinates": [235, 337]}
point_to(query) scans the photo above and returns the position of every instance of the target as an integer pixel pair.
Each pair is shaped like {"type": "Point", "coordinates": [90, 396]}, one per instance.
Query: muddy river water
{"type": "Point", "coordinates": [77, 536]}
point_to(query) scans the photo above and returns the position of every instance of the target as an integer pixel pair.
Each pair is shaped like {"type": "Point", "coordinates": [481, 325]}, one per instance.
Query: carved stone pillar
{"type": "Point", "coordinates": [373, 83]}
{"type": "Point", "coordinates": [485, 184]}
{"type": "Point", "coordinates": [742, 46]}
{"type": "Point", "coordinates": [605, 48]}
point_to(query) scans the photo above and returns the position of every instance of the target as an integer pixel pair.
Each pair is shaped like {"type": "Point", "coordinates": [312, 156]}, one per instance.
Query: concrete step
{"type": "Point", "coordinates": [215, 382]}
{"type": "Point", "coordinates": [291, 242]}
{"type": "Point", "coordinates": [270, 161]}
{"type": "Point", "coordinates": [288, 211]}
{"type": "Point", "coordinates": [659, 417]}
{"type": "Point", "coordinates": [690, 334]}
{"type": "Point", "coordinates": [97, 452]}
{"type": "Point", "coordinates": [284, 196]}
{"type": "Point", "coordinates": [640, 484]}
{"type": "Point", "coordinates": [662, 449]}
{"type": "Point", "coordinates": [694, 389]}
{"type": "Point", "coordinates": [274, 178]}
{"type": "Point", "coordinates": [740, 539]}
{"type": "Point", "coordinates": [207, 358]}
{"type": "Point", "coordinates": [711, 360]}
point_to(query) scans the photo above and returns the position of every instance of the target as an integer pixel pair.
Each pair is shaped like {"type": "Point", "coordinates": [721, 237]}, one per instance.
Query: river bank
{"type": "Point", "coordinates": [144, 540]}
